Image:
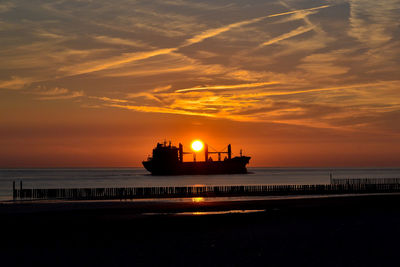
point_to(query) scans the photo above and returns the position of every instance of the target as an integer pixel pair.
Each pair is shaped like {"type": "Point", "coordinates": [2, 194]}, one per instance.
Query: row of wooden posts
{"type": "Point", "coordinates": [199, 191]}
{"type": "Point", "coordinates": [365, 180]}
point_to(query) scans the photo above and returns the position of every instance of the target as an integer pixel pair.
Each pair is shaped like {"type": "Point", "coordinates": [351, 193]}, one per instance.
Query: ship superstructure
{"type": "Point", "coordinates": [168, 160]}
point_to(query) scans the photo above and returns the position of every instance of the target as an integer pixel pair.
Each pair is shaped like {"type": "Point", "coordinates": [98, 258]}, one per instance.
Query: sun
{"type": "Point", "coordinates": [197, 145]}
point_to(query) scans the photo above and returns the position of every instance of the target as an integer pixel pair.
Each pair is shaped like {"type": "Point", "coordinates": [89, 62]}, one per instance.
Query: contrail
{"type": "Point", "coordinates": [222, 87]}
{"type": "Point", "coordinates": [99, 65]}
{"type": "Point", "coordinates": [295, 32]}
{"type": "Point", "coordinates": [214, 32]}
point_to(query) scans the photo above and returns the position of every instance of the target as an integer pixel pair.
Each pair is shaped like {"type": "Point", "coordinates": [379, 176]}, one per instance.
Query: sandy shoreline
{"type": "Point", "coordinates": [333, 231]}
{"type": "Point", "coordinates": [173, 205]}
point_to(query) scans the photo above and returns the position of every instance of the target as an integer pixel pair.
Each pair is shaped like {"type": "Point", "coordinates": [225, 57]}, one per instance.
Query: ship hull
{"type": "Point", "coordinates": [230, 166]}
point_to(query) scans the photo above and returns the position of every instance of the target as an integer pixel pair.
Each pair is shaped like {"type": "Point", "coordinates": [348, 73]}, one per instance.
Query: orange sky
{"type": "Point", "coordinates": [292, 83]}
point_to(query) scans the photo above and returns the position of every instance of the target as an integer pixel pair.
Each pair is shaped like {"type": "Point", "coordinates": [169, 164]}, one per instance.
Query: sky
{"type": "Point", "coordinates": [296, 83]}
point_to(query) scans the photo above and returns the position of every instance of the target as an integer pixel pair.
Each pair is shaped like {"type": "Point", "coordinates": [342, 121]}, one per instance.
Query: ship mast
{"type": "Point", "coordinates": [180, 155]}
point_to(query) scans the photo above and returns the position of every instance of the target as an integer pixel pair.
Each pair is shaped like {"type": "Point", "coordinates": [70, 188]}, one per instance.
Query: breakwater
{"type": "Point", "coordinates": [199, 191]}
{"type": "Point", "coordinates": [365, 180]}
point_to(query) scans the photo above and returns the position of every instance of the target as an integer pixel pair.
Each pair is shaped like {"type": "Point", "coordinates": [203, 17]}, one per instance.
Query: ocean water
{"type": "Point", "coordinates": [139, 177]}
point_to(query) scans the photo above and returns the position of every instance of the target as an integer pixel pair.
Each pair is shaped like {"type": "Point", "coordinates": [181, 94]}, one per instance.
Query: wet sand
{"type": "Point", "coordinates": [332, 231]}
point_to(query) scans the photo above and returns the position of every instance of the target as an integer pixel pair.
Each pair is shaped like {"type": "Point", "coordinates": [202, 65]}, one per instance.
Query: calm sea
{"type": "Point", "coordinates": [131, 177]}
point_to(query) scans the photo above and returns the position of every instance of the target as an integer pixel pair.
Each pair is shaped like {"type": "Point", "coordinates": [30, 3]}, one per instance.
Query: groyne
{"type": "Point", "coordinates": [200, 191]}
{"type": "Point", "coordinates": [365, 181]}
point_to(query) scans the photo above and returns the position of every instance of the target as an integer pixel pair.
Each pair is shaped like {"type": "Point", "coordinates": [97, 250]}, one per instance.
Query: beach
{"type": "Point", "coordinates": [328, 231]}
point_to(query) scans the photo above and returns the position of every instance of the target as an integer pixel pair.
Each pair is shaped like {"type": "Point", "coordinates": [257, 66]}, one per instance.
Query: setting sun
{"type": "Point", "coordinates": [197, 145]}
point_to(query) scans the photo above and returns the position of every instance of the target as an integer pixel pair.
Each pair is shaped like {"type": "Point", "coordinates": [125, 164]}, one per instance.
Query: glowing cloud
{"type": "Point", "coordinates": [131, 57]}
{"type": "Point", "coordinates": [226, 87]}
{"type": "Point", "coordinates": [214, 32]}
{"type": "Point", "coordinates": [15, 83]}
{"type": "Point", "coordinates": [297, 31]}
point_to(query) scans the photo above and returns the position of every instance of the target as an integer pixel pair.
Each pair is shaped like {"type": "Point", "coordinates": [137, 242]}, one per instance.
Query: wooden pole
{"type": "Point", "coordinates": [14, 194]}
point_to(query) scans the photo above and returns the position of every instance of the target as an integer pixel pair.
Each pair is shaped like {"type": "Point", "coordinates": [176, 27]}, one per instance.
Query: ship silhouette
{"type": "Point", "coordinates": [168, 160]}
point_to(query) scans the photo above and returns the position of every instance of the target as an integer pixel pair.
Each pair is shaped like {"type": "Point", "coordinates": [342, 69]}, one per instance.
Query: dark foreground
{"type": "Point", "coordinates": [341, 231]}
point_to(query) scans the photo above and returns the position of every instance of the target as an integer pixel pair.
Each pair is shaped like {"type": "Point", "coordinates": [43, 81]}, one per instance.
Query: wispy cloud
{"type": "Point", "coordinates": [293, 33]}
{"type": "Point", "coordinates": [216, 31]}
{"type": "Point", "coordinates": [103, 64]}
{"type": "Point", "coordinates": [195, 5]}
{"type": "Point", "coordinates": [312, 64]}
{"type": "Point", "coordinates": [270, 105]}
{"type": "Point", "coordinates": [373, 22]}
{"type": "Point", "coordinates": [375, 25]}
{"type": "Point", "coordinates": [6, 6]}
{"type": "Point", "coordinates": [56, 93]}
{"type": "Point", "coordinates": [15, 83]}
{"type": "Point", "coordinates": [247, 62]}
{"type": "Point", "coordinates": [226, 87]}
{"type": "Point", "coordinates": [108, 99]}
{"type": "Point", "coordinates": [108, 63]}
{"type": "Point", "coordinates": [159, 110]}
{"type": "Point", "coordinates": [52, 92]}
{"type": "Point", "coordinates": [120, 41]}
{"type": "Point", "coordinates": [74, 94]}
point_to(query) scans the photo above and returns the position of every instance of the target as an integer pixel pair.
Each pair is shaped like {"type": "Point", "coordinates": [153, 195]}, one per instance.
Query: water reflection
{"type": "Point", "coordinates": [207, 212]}
{"type": "Point", "coordinates": [197, 199]}
{"type": "Point", "coordinates": [218, 212]}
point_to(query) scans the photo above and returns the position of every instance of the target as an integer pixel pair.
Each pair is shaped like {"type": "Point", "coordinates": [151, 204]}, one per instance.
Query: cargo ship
{"type": "Point", "coordinates": [168, 160]}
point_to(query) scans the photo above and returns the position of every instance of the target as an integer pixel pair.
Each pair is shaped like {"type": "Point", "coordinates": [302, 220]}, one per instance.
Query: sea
{"type": "Point", "coordinates": [139, 177]}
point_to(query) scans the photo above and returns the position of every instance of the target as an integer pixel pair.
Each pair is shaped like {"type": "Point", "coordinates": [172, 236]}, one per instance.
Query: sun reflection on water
{"type": "Point", "coordinates": [197, 199]}
{"type": "Point", "coordinates": [219, 212]}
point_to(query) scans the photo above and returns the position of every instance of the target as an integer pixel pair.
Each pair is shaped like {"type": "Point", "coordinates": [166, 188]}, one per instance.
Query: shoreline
{"type": "Point", "coordinates": [176, 205]}
{"type": "Point", "coordinates": [333, 231]}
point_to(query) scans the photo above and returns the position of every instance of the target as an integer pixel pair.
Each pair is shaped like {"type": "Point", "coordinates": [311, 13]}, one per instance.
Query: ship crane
{"type": "Point", "coordinates": [206, 153]}
{"type": "Point", "coordinates": [181, 153]}
{"type": "Point", "coordinates": [229, 152]}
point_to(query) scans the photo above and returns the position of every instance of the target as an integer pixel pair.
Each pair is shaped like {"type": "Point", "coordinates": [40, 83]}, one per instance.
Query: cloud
{"type": "Point", "coordinates": [216, 31]}
{"type": "Point", "coordinates": [159, 110]}
{"type": "Point", "coordinates": [293, 33]}
{"type": "Point", "coordinates": [16, 83]}
{"type": "Point", "coordinates": [328, 70]}
{"type": "Point", "coordinates": [147, 95]}
{"type": "Point", "coordinates": [6, 6]}
{"type": "Point", "coordinates": [332, 105]}
{"type": "Point", "coordinates": [48, 35]}
{"type": "Point", "coordinates": [60, 94]}
{"type": "Point", "coordinates": [107, 63]}
{"type": "Point", "coordinates": [151, 71]}
{"type": "Point", "coordinates": [312, 64]}
{"type": "Point", "coordinates": [120, 41]}
{"type": "Point", "coordinates": [373, 23]}
{"type": "Point", "coordinates": [195, 5]}
{"type": "Point", "coordinates": [325, 70]}
{"type": "Point", "coordinates": [162, 88]}
{"type": "Point", "coordinates": [125, 58]}
{"type": "Point", "coordinates": [108, 99]}
{"type": "Point", "coordinates": [151, 95]}
{"type": "Point", "coordinates": [226, 87]}
{"type": "Point", "coordinates": [52, 92]}
{"type": "Point", "coordinates": [302, 15]}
